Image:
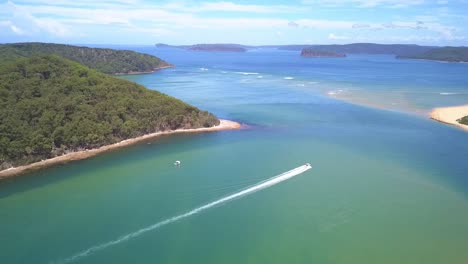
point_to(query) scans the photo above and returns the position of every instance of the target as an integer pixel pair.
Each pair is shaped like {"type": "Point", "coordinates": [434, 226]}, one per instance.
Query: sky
{"type": "Point", "coordinates": [254, 22]}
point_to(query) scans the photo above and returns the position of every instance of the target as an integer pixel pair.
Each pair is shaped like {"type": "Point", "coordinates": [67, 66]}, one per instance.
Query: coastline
{"type": "Point", "coordinates": [145, 72]}
{"type": "Point", "coordinates": [79, 155]}
{"type": "Point", "coordinates": [450, 115]}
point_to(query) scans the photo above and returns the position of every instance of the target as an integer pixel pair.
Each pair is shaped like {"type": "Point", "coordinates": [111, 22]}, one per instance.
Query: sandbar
{"type": "Point", "coordinates": [450, 115]}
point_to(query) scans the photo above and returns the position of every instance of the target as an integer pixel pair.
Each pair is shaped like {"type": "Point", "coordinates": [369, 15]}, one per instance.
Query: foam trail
{"type": "Point", "coordinates": [262, 185]}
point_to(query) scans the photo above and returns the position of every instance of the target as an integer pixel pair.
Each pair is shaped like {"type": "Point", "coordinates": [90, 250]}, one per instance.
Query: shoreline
{"type": "Point", "coordinates": [147, 72]}
{"type": "Point", "coordinates": [450, 115]}
{"type": "Point", "coordinates": [79, 155]}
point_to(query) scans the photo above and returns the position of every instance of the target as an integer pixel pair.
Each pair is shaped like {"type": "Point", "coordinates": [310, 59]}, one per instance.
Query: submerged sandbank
{"type": "Point", "coordinates": [450, 115]}
{"type": "Point", "coordinates": [78, 155]}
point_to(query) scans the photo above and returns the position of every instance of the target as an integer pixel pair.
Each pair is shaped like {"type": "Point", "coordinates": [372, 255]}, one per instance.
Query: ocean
{"type": "Point", "coordinates": [387, 184]}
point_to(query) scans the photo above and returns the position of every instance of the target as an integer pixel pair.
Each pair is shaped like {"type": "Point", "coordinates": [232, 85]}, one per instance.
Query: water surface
{"type": "Point", "coordinates": [386, 187]}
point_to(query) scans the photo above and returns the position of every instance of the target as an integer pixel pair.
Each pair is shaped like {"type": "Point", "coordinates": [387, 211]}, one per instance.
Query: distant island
{"type": "Point", "coordinates": [55, 107]}
{"type": "Point", "coordinates": [104, 60]}
{"type": "Point", "coordinates": [401, 51]}
{"type": "Point", "coordinates": [313, 53]}
{"type": "Point", "coordinates": [354, 48]}
{"type": "Point", "coordinates": [449, 54]}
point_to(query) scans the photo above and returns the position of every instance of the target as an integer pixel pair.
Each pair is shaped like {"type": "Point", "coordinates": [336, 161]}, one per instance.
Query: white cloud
{"type": "Point", "coordinates": [232, 7]}
{"type": "Point", "coordinates": [293, 24]}
{"type": "Point", "coordinates": [16, 30]}
{"type": "Point", "coordinates": [68, 19]}
{"type": "Point", "coordinates": [325, 24]}
{"type": "Point", "coordinates": [366, 3]}
{"type": "Point", "coordinates": [360, 25]}
{"type": "Point", "coordinates": [332, 36]}
{"type": "Point", "coordinates": [21, 18]}
{"type": "Point", "coordinates": [13, 28]}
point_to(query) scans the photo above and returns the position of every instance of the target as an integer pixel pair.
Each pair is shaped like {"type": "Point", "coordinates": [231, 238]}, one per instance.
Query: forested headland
{"type": "Point", "coordinates": [50, 106]}
{"type": "Point", "coordinates": [104, 60]}
{"type": "Point", "coordinates": [449, 54]}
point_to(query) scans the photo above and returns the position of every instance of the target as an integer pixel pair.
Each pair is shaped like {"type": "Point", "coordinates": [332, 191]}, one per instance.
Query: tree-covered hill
{"type": "Point", "coordinates": [50, 106]}
{"type": "Point", "coordinates": [364, 48]}
{"type": "Point", "coordinates": [451, 54]}
{"type": "Point", "coordinates": [104, 60]}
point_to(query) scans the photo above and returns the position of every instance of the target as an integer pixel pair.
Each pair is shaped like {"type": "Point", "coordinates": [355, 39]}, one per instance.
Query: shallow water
{"type": "Point", "coordinates": [386, 186]}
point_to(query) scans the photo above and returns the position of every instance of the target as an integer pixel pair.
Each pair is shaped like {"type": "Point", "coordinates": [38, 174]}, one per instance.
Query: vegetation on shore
{"type": "Point", "coordinates": [463, 120]}
{"type": "Point", "coordinates": [104, 60]}
{"type": "Point", "coordinates": [50, 106]}
{"type": "Point", "coordinates": [450, 54]}
{"type": "Point", "coordinates": [364, 48]}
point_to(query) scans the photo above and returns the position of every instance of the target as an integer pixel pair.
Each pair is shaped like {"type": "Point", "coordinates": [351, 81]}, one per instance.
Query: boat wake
{"type": "Point", "coordinates": [257, 187]}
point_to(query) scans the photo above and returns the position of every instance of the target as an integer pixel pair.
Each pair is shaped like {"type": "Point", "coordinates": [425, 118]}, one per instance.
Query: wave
{"type": "Point", "coordinates": [259, 186]}
{"type": "Point", "coordinates": [288, 78]}
{"type": "Point", "coordinates": [203, 69]}
{"type": "Point", "coordinates": [447, 93]}
{"type": "Point", "coordinates": [248, 73]}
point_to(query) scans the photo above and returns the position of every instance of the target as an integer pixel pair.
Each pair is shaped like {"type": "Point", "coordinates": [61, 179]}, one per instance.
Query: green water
{"type": "Point", "coordinates": [386, 187]}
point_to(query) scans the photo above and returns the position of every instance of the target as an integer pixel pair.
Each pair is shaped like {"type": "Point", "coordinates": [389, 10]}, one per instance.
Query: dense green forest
{"type": "Point", "coordinates": [463, 120]}
{"type": "Point", "coordinates": [451, 54]}
{"type": "Point", "coordinates": [104, 60]}
{"type": "Point", "coordinates": [50, 106]}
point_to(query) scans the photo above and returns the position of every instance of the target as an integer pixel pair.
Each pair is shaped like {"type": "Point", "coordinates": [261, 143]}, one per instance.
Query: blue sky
{"type": "Point", "coordinates": [252, 22]}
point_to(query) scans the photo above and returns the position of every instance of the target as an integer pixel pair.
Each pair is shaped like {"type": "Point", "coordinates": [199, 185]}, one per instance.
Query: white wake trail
{"type": "Point", "coordinates": [262, 185]}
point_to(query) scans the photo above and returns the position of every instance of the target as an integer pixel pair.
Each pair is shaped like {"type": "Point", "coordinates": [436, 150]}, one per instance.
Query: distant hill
{"type": "Point", "coordinates": [364, 48]}
{"type": "Point", "coordinates": [451, 54]}
{"type": "Point", "coordinates": [50, 105]}
{"type": "Point", "coordinates": [355, 48]}
{"type": "Point", "coordinates": [104, 60]}
{"type": "Point", "coordinates": [314, 53]}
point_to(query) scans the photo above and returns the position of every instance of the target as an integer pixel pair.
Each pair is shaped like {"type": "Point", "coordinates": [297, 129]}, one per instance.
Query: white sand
{"type": "Point", "coordinates": [450, 115]}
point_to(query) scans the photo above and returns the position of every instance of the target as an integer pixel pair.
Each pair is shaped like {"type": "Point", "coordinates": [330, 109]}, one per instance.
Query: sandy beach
{"type": "Point", "coordinates": [450, 115]}
{"type": "Point", "coordinates": [224, 125]}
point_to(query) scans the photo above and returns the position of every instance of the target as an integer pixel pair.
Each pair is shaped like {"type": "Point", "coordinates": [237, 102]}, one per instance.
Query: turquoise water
{"type": "Point", "coordinates": [386, 187]}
